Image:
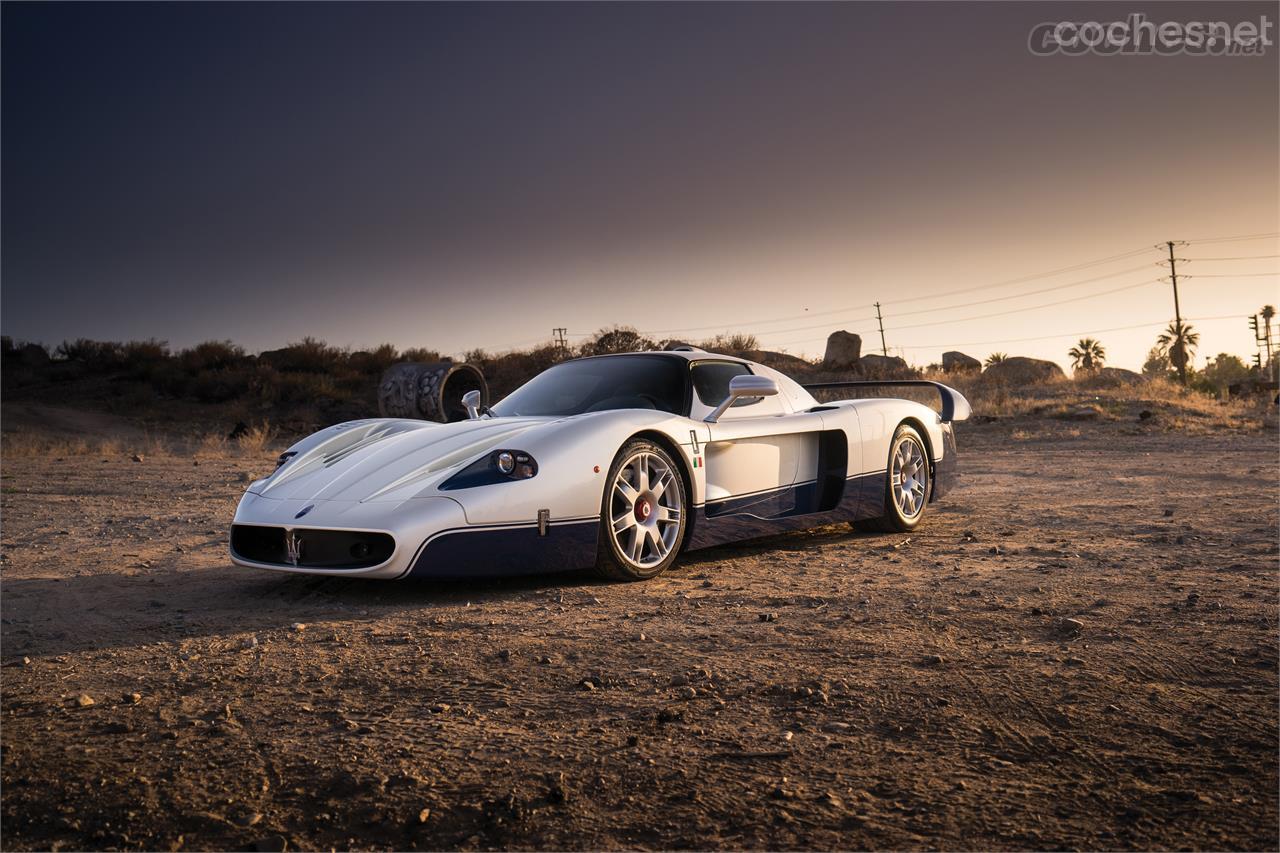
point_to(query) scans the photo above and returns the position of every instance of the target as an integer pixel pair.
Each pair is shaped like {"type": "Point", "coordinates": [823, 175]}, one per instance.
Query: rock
{"type": "Point", "coordinates": [1070, 627]}
{"type": "Point", "coordinates": [249, 819]}
{"type": "Point", "coordinates": [424, 815]}
{"type": "Point", "coordinates": [137, 457]}
{"type": "Point", "coordinates": [933, 660]}
{"type": "Point", "coordinates": [270, 844]}
{"type": "Point", "coordinates": [586, 685]}
{"type": "Point", "coordinates": [1087, 412]}
{"type": "Point", "coordinates": [1020, 370]}
{"type": "Point", "coordinates": [1111, 377]}
{"type": "Point", "coordinates": [1074, 661]}
{"type": "Point", "coordinates": [843, 350]}
{"type": "Point", "coordinates": [768, 617]}
{"type": "Point", "coordinates": [249, 643]}
{"type": "Point", "coordinates": [439, 708]}
{"type": "Point", "coordinates": [504, 654]}
{"type": "Point", "coordinates": [687, 693]}
{"type": "Point", "coordinates": [1168, 513]}
{"type": "Point", "coordinates": [556, 790]}
{"type": "Point", "coordinates": [1146, 415]}
{"type": "Point", "coordinates": [84, 700]}
{"type": "Point", "coordinates": [26, 661]}
{"type": "Point", "coordinates": [884, 366]}
{"type": "Point", "coordinates": [244, 476]}
{"type": "Point", "coordinates": [298, 627]}
{"type": "Point", "coordinates": [958, 362]}
{"type": "Point", "coordinates": [132, 698]}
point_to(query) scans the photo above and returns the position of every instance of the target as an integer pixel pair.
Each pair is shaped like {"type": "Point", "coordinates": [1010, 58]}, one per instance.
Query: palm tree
{"type": "Point", "coordinates": [995, 358]}
{"type": "Point", "coordinates": [1179, 342]}
{"type": "Point", "coordinates": [1087, 356]}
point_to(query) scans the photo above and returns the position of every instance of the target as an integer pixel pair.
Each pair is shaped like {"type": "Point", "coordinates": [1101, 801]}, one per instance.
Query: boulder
{"type": "Point", "coordinates": [1020, 370]}
{"type": "Point", "coordinates": [1115, 376]}
{"type": "Point", "coordinates": [843, 350]}
{"type": "Point", "coordinates": [958, 362]}
{"type": "Point", "coordinates": [883, 367]}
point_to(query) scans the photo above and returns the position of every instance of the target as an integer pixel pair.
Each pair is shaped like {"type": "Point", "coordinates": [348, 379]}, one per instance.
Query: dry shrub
{"type": "Point", "coordinates": [256, 439]}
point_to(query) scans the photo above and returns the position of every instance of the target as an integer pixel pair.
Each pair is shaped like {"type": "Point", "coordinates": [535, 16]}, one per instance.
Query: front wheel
{"type": "Point", "coordinates": [908, 483]}
{"type": "Point", "coordinates": [642, 513]}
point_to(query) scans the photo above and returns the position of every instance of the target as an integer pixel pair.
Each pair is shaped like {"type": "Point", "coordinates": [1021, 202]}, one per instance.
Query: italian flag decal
{"type": "Point", "coordinates": [697, 462]}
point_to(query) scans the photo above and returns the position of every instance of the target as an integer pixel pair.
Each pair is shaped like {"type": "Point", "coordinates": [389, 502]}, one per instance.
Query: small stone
{"type": "Point", "coordinates": [249, 643]}
{"type": "Point", "coordinates": [1168, 513]}
{"type": "Point", "coordinates": [195, 463]}
{"type": "Point", "coordinates": [424, 815]}
{"type": "Point", "coordinates": [707, 584]}
{"type": "Point", "coordinates": [788, 735]}
{"type": "Point", "coordinates": [1074, 661]}
{"type": "Point", "coordinates": [544, 660]}
{"type": "Point", "coordinates": [1070, 627]}
{"type": "Point", "coordinates": [137, 457]}
{"type": "Point", "coordinates": [84, 700]}
{"type": "Point", "coordinates": [1111, 709]}
{"type": "Point", "coordinates": [298, 627]}
{"type": "Point", "coordinates": [250, 819]}
{"type": "Point", "coordinates": [439, 708]}
{"type": "Point", "coordinates": [768, 617]}
{"type": "Point", "coordinates": [932, 660]}
{"type": "Point", "coordinates": [132, 698]}
{"type": "Point", "coordinates": [995, 549]}
{"type": "Point", "coordinates": [586, 685]}
{"type": "Point", "coordinates": [504, 654]}
{"type": "Point", "coordinates": [26, 661]}
{"type": "Point", "coordinates": [244, 477]}
{"type": "Point", "coordinates": [687, 693]}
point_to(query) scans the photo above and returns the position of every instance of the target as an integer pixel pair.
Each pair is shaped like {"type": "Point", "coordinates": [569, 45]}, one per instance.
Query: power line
{"type": "Point", "coordinates": [1021, 295]}
{"type": "Point", "coordinates": [1025, 278]}
{"type": "Point", "coordinates": [1049, 274]}
{"type": "Point", "coordinates": [1236, 239]}
{"type": "Point", "coordinates": [1236, 258]}
{"type": "Point", "coordinates": [1021, 310]}
{"type": "Point", "coordinates": [1044, 337]}
{"type": "Point", "coordinates": [1231, 275]}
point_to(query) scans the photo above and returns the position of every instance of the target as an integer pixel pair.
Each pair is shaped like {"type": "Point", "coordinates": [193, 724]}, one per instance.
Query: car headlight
{"type": "Point", "coordinates": [499, 466]}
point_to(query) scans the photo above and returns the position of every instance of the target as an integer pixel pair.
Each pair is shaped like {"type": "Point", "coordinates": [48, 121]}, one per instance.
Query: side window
{"type": "Point", "coordinates": [711, 382]}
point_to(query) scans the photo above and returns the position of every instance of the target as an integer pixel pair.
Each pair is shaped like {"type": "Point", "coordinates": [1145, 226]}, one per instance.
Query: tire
{"type": "Point", "coordinates": [644, 513]}
{"type": "Point", "coordinates": [906, 493]}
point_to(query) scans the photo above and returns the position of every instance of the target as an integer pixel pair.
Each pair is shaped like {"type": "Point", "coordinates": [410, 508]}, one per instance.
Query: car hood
{"type": "Point", "coordinates": [386, 460]}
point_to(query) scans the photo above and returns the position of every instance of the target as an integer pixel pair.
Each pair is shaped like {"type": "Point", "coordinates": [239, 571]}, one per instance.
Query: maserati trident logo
{"type": "Point", "coordinates": [292, 547]}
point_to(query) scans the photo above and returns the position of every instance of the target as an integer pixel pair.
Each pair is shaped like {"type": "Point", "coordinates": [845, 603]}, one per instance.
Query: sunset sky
{"type": "Point", "coordinates": [471, 176]}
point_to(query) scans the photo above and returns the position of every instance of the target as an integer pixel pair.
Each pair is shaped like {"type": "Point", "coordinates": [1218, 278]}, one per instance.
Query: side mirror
{"type": "Point", "coordinates": [747, 385]}
{"type": "Point", "coordinates": [471, 402]}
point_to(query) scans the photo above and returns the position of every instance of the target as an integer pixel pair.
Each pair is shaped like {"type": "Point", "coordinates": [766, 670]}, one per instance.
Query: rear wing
{"type": "Point", "coordinates": [954, 406]}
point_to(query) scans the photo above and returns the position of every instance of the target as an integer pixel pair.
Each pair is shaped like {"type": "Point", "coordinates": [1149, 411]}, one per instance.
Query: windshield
{"type": "Point", "coordinates": [598, 384]}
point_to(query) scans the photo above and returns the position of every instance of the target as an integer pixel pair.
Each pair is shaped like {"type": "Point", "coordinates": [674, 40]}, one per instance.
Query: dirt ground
{"type": "Point", "coordinates": [826, 689]}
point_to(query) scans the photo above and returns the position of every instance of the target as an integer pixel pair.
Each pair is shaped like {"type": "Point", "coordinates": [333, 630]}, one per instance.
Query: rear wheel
{"type": "Point", "coordinates": [643, 513]}
{"type": "Point", "coordinates": [908, 483]}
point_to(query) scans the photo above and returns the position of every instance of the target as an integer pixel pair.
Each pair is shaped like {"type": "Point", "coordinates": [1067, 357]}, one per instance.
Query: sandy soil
{"type": "Point", "coordinates": [824, 689]}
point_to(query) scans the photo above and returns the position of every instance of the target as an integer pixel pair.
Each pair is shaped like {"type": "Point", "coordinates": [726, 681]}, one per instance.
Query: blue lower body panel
{"type": "Point", "coordinates": [487, 552]}
{"type": "Point", "coordinates": [792, 508]}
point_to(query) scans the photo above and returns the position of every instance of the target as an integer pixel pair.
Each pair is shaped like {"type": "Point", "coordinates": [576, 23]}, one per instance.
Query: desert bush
{"type": "Point", "coordinates": [256, 439]}
{"type": "Point", "coordinates": [211, 355]}
{"type": "Point", "coordinates": [614, 340]}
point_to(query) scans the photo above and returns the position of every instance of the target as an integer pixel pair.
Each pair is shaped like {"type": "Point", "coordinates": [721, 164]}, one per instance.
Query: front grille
{"type": "Point", "coordinates": [315, 549]}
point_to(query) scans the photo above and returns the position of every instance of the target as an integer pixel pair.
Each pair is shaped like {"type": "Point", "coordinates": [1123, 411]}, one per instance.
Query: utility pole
{"type": "Point", "coordinates": [560, 340]}
{"type": "Point", "coordinates": [1177, 316]}
{"type": "Point", "coordinates": [884, 350]}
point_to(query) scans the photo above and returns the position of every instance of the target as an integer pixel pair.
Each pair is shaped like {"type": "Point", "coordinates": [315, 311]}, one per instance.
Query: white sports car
{"type": "Point", "coordinates": [617, 462]}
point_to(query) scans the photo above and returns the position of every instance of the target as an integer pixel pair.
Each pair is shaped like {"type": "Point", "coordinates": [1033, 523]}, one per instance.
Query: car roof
{"type": "Point", "coordinates": [687, 354]}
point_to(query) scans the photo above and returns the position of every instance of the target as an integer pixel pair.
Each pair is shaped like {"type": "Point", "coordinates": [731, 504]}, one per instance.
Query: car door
{"type": "Point", "coordinates": [762, 458]}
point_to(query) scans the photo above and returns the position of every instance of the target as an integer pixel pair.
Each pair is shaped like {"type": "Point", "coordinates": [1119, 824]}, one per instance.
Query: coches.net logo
{"type": "Point", "coordinates": [1137, 36]}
